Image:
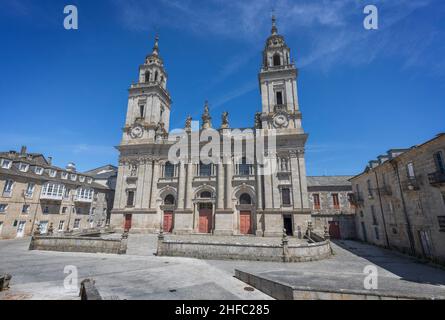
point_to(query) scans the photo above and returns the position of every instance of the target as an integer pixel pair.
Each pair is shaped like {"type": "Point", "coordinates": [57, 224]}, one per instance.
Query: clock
{"type": "Point", "coordinates": [137, 132]}
{"type": "Point", "coordinates": [280, 121]}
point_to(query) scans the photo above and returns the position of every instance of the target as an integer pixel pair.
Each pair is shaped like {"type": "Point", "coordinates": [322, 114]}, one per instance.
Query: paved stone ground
{"type": "Point", "coordinates": [138, 275]}
{"type": "Point", "coordinates": [141, 275]}
{"type": "Point", "coordinates": [397, 274]}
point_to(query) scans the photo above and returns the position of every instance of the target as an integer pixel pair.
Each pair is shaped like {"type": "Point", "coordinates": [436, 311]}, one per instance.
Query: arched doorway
{"type": "Point", "coordinates": [205, 213]}
{"type": "Point", "coordinates": [168, 221]}
{"type": "Point", "coordinates": [245, 216]}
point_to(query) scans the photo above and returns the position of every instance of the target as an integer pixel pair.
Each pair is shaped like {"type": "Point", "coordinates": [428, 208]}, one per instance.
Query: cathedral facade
{"type": "Point", "coordinates": [232, 196]}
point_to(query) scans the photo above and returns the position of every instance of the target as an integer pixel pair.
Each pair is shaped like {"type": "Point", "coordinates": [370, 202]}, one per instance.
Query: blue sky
{"type": "Point", "coordinates": [64, 93]}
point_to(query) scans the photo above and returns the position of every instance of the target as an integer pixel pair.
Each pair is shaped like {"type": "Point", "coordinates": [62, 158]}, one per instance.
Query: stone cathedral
{"type": "Point", "coordinates": [227, 198]}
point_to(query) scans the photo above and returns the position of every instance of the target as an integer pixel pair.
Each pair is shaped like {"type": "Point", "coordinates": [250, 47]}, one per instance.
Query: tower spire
{"type": "Point", "coordinates": [156, 46]}
{"type": "Point", "coordinates": [274, 24]}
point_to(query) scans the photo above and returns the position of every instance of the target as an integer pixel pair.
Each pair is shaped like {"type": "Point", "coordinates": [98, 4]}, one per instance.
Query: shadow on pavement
{"type": "Point", "coordinates": [406, 267]}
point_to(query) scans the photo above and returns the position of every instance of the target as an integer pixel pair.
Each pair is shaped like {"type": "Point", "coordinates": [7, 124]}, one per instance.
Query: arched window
{"type": "Point", "coordinates": [276, 60]}
{"type": "Point", "coordinates": [156, 76]}
{"type": "Point", "coordinates": [206, 195]}
{"type": "Point", "coordinates": [147, 76]}
{"type": "Point", "coordinates": [169, 170]}
{"type": "Point", "coordinates": [245, 199]}
{"type": "Point", "coordinates": [169, 200]}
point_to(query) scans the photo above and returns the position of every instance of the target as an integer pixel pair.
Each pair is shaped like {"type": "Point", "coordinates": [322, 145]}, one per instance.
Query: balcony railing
{"type": "Point", "coordinates": [51, 196]}
{"type": "Point", "coordinates": [358, 199]}
{"type": "Point", "coordinates": [410, 184]}
{"type": "Point", "coordinates": [385, 191]}
{"type": "Point", "coordinates": [436, 178]}
{"type": "Point", "coordinates": [83, 199]}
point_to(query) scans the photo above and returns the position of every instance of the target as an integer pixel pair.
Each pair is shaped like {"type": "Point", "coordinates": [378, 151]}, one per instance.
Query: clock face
{"type": "Point", "coordinates": [280, 121]}
{"type": "Point", "coordinates": [137, 132]}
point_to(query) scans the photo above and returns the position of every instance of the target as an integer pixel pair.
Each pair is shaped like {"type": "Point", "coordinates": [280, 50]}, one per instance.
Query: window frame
{"type": "Point", "coordinates": [288, 196]}
{"type": "Point", "coordinates": [4, 206]}
{"type": "Point", "coordinates": [26, 167]}
{"type": "Point", "coordinates": [316, 201]}
{"type": "Point", "coordinates": [335, 200]}
{"type": "Point", "coordinates": [6, 161]}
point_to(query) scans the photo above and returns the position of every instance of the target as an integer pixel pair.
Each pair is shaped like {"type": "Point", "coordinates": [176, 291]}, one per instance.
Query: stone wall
{"type": "Point", "coordinates": [79, 244]}
{"type": "Point", "coordinates": [402, 210]}
{"type": "Point", "coordinates": [253, 252]}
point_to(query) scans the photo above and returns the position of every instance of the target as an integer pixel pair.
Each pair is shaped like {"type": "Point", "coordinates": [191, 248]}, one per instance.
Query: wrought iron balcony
{"type": "Point", "coordinates": [358, 200]}
{"type": "Point", "coordinates": [436, 178]}
{"type": "Point", "coordinates": [411, 184]}
{"type": "Point", "coordinates": [385, 190]}
{"type": "Point", "coordinates": [280, 107]}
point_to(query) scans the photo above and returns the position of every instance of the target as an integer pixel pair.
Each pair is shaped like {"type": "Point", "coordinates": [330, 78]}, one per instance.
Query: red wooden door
{"type": "Point", "coordinates": [168, 222]}
{"type": "Point", "coordinates": [127, 222]}
{"type": "Point", "coordinates": [205, 221]}
{"type": "Point", "coordinates": [245, 226]}
{"type": "Point", "coordinates": [334, 230]}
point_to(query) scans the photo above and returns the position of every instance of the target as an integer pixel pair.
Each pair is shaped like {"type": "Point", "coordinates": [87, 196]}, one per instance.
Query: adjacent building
{"type": "Point", "coordinates": [332, 205]}
{"type": "Point", "coordinates": [400, 199]}
{"type": "Point", "coordinates": [36, 195]}
{"type": "Point", "coordinates": [229, 196]}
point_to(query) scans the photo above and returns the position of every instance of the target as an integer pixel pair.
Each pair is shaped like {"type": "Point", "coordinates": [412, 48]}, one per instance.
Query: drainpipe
{"type": "Point", "coordinates": [35, 211]}
{"type": "Point", "coordinates": [381, 210]}
{"type": "Point", "coordinates": [405, 211]}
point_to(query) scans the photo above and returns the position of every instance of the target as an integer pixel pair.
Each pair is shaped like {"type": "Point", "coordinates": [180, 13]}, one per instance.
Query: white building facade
{"type": "Point", "coordinates": [230, 196]}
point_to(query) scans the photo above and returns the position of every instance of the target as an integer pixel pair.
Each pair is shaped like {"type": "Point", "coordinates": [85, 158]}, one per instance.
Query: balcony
{"type": "Point", "coordinates": [52, 191]}
{"type": "Point", "coordinates": [410, 184]}
{"type": "Point", "coordinates": [437, 178]}
{"type": "Point", "coordinates": [385, 191]}
{"type": "Point", "coordinates": [83, 199]}
{"type": "Point", "coordinates": [84, 195]}
{"type": "Point", "coordinates": [358, 199]}
{"type": "Point", "coordinates": [280, 108]}
{"type": "Point", "coordinates": [51, 196]}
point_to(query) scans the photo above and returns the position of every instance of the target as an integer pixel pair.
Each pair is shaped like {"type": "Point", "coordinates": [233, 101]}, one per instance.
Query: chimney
{"type": "Point", "coordinates": [23, 150]}
{"type": "Point", "coordinates": [50, 160]}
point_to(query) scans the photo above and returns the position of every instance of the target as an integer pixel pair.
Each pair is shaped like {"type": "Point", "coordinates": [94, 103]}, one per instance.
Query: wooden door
{"type": "Point", "coordinates": [334, 230]}
{"type": "Point", "coordinates": [245, 226]}
{"type": "Point", "coordinates": [168, 222]}
{"type": "Point", "coordinates": [128, 218]}
{"type": "Point", "coordinates": [205, 220]}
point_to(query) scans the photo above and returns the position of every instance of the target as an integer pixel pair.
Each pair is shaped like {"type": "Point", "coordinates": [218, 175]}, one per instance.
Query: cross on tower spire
{"type": "Point", "coordinates": [274, 24]}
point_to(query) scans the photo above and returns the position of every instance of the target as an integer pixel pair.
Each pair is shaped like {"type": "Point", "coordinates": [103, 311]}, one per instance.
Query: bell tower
{"type": "Point", "coordinates": [278, 85]}
{"type": "Point", "coordinates": [284, 196]}
{"type": "Point", "coordinates": [148, 113]}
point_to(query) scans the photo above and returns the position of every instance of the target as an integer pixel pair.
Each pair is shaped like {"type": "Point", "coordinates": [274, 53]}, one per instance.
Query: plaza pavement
{"type": "Point", "coordinates": [141, 275]}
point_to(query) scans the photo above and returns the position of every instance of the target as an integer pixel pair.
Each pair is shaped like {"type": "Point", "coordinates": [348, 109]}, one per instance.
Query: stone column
{"type": "Point", "coordinates": [181, 185]}
{"type": "Point", "coordinates": [140, 184]}
{"type": "Point", "coordinates": [220, 189]}
{"type": "Point", "coordinates": [154, 185]}
{"type": "Point", "coordinates": [268, 190]}
{"type": "Point", "coordinates": [189, 187]}
{"type": "Point", "coordinates": [119, 187]}
{"type": "Point", "coordinates": [147, 184]}
{"type": "Point", "coordinates": [259, 188]}
{"type": "Point", "coordinates": [229, 177]}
